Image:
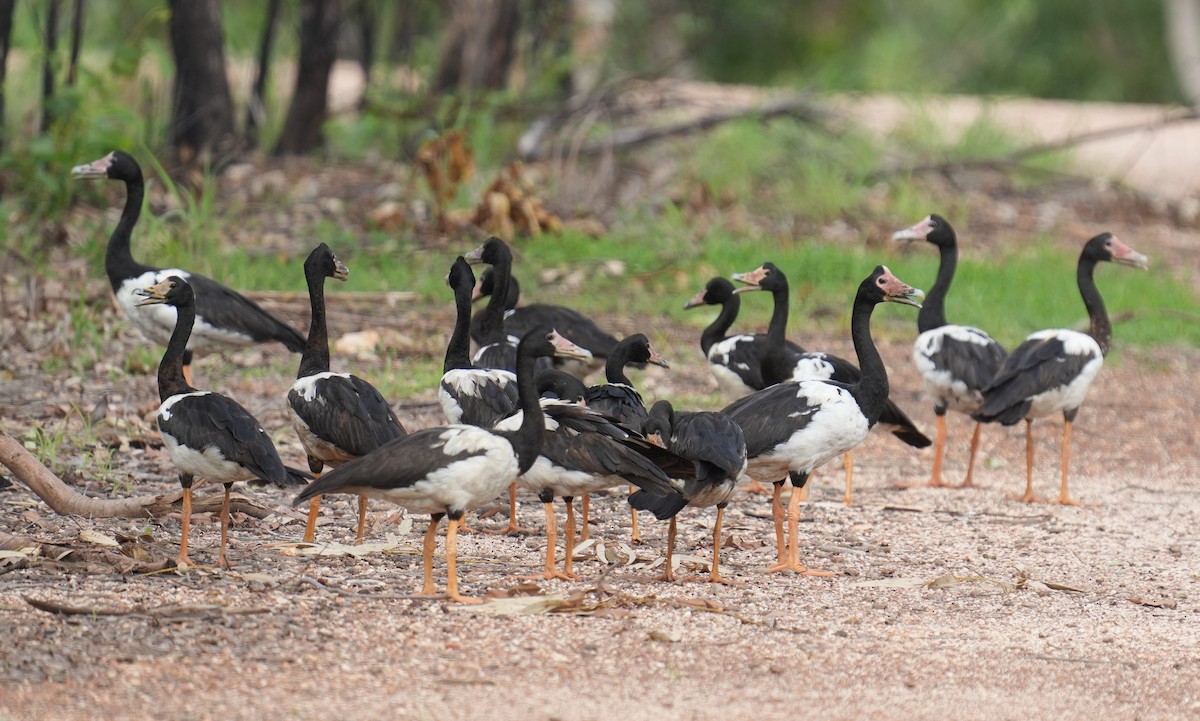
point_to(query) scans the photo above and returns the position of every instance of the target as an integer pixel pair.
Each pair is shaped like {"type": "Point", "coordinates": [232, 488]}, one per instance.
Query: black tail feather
{"type": "Point", "coordinates": [897, 422]}
{"type": "Point", "coordinates": [663, 507]}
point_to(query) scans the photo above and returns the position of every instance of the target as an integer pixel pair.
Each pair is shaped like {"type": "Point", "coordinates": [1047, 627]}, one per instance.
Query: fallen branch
{"type": "Point", "coordinates": [66, 501]}
{"type": "Point", "coordinates": [801, 108]}
{"type": "Point", "coordinates": [167, 612]}
{"type": "Point", "coordinates": [1029, 151]}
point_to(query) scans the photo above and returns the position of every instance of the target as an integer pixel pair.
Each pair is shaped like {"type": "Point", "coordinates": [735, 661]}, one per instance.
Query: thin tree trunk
{"type": "Point", "coordinates": [368, 19]}
{"type": "Point", "coordinates": [65, 500]}
{"type": "Point", "coordinates": [50, 46]}
{"type": "Point", "coordinates": [6, 23]}
{"type": "Point", "coordinates": [76, 43]}
{"type": "Point", "coordinates": [479, 47]}
{"type": "Point", "coordinates": [1183, 40]}
{"type": "Point", "coordinates": [310, 102]}
{"type": "Point", "coordinates": [256, 106]}
{"type": "Point", "coordinates": [202, 114]}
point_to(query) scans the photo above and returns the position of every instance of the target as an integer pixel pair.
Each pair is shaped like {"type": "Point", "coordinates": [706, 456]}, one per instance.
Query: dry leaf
{"type": "Point", "coordinates": [671, 636]}
{"type": "Point", "coordinates": [516, 606]}
{"type": "Point", "coordinates": [96, 537]}
{"type": "Point", "coordinates": [910, 582]}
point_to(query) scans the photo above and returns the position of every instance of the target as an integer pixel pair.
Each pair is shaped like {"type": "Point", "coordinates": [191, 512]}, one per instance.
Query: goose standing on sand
{"type": "Point", "coordinates": [1052, 370]}
{"type": "Point", "coordinates": [224, 318]}
{"type": "Point", "coordinates": [583, 452]}
{"type": "Point", "coordinates": [206, 434]}
{"type": "Point", "coordinates": [778, 365]}
{"type": "Point", "coordinates": [337, 416]}
{"type": "Point", "coordinates": [793, 427]}
{"type": "Point", "coordinates": [955, 361]}
{"type": "Point", "coordinates": [449, 470]}
{"type": "Point", "coordinates": [717, 446]}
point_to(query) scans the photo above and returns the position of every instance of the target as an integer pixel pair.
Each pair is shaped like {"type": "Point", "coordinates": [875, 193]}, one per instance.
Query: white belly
{"type": "Point", "coordinates": [157, 321]}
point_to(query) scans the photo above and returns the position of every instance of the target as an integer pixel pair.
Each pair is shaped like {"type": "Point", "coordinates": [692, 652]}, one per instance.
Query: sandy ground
{"type": "Point", "coordinates": [963, 604]}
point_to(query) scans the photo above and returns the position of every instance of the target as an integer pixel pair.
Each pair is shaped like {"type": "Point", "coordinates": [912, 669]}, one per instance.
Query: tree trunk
{"type": "Point", "coordinates": [76, 43]}
{"type": "Point", "coordinates": [1183, 40]}
{"type": "Point", "coordinates": [50, 46]}
{"type": "Point", "coordinates": [6, 23]}
{"type": "Point", "coordinates": [202, 114]}
{"type": "Point", "coordinates": [479, 46]}
{"type": "Point", "coordinates": [256, 105]}
{"type": "Point", "coordinates": [309, 106]}
{"type": "Point", "coordinates": [367, 17]}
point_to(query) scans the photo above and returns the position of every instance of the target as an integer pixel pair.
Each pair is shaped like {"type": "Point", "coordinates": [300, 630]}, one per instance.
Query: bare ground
{"type": "Point", "coordinates": [958, 604]}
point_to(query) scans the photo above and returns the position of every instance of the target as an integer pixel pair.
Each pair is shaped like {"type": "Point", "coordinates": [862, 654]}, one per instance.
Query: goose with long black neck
{"type": "Point", "coordinates": [779, 365]}
{"type": "Point", "coordinates": [449, 470]}
{"type": "Point", "coordinates": [955, 361]}
{"type": "Point", "coordinates": [207, 435]}
{"type": "Point", "coordinates": [618, 399]}
{"type": "Point", "coordinates": [1052, 370]}
{"type": "Point", "coordinates": [735, 361]}
{"type": "Point", "coordinates": [338, 416]}
{"type": "Point", "coordinates": [794, 427]}
{"type": "Point", "coordinates": [224, 318]}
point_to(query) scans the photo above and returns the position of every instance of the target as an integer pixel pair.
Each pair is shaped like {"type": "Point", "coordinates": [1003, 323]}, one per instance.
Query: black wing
{"type": "Point", "coordinates": [974, 364]}
{"type": "Point", "coordinates": [1036, 366]}
{"type": "Point", "coordinates": [771, 416]}
{"type": "Point", "coordinates": [714, 441]}
{"type": "Point", "coordinates": [399, 463]}
{"type": "Point", "coordinates": [620, 402]}
{"type": "Point", "coordinates": [211, 419]}
{"type": "Point", "coordinates": [483, 396]}
{"type": "Point", "coordinates": [223, 307]}
{"type": "Point", "coordinates": [349, 413]}
{"type": "Point", "coordinates": [581, 330]}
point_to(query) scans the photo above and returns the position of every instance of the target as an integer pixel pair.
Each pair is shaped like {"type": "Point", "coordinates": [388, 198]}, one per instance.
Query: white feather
{"type": "Point", "coordinates": [307, 386]}
{"type": "Point", "coordinates": [157, 321]}
{"type": "Point", "coordinates": [837, 426]}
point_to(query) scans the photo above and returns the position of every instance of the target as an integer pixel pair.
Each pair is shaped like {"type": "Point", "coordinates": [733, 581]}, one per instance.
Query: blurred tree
{"type": "Point", "coordinates": [50, 49]}
{"type": "Point", "coordinates": [256, 103]}
{"type": "Point", "coordinates": [76, 43]}
{"type": "Point", "coordinates": [1183, 36]}
{"type": "Point", "coordinates": [479, 46]}
{"type": "Point", "coordinates": [6, 25]}
{"type": "Point", "coordinates": [318, 49]}
{"type": "Point", "coordinates": [202, 110]}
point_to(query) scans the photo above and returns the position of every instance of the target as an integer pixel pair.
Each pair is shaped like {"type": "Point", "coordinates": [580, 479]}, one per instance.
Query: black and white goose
{"type": "Point", "coordinates": [224, 318]}
{"type": "Point", "coordinates": [779, 365]}
{"type": "Point", "coordinates": [1052, 370]}
{"type": "Point", "coordinates": [337, 416]}
{"type": "Point", "coordinates": [717, 447]}
{"type": "Point", "coordinates": [620, 400]}
{"type": "Point", "coordinates": [955, 361]}
{"type": "Point", "coordinates": [206, 434]}
{"type": "Point", "coordinates": [584, 452]}
{"type": "Point", "coordinates": [735, 361]}
{"type": "Point", "coordinates": [583, 331]}
{"type": "Point", "coordinates": [793, 427]}
{"type": "Point", "coordinates": [467, 393]}
{"type": "Point", "coordinates": [449, 470]}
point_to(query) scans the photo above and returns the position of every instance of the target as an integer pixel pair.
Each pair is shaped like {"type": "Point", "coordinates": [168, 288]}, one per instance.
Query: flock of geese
{"type": "Point", "coordinates": [520, 418]}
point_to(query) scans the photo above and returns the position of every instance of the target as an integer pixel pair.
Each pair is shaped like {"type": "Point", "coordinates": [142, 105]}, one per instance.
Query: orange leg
{"type": "Point", "coordinates": [513, 526]}
{"type": "Point", "coordinates": [1063, 496]}
{"type": "Point", "coordinates": [793, 562]}
{"type": "Point", "coordinates": [974, 451]}
{"type": "Point", "coordinates": [310, 528]}
{"type": "Point", "coordinates": [585, 503]}
{"type": "Point", "coordinates": [187, 374]}
{"type": "Point", "coordinates": [569, 531]}
{"type": "Point", "coordinates": [1029, 497]}
{"type": "Point", "coordinates": [668, 572]}
{"type": "Point", "coordinates": [221, 560]}
{"type": "Point", "coordinates": [715, 575]}
{"type": "Point", "coordinates": [362, 520]}
{"type": "Point", "coordinates": [777, 517]}
{"type": "Point", "coordinates": [452, 565]}
{"type": "Point", "coordinates": [551, 570]}
{"type": "Point", "coordinates": [427, 589]}
{"type": "Point", "coordinates": [848, 464]}
{"type": "Point", "coordinates": [634, 535]}
{"type": "Point", "coordinates": [756, 487]}
{"type": "Point", "coordinates": [186, 518]}
{"type": "Point", "coordinates": [939, 452]}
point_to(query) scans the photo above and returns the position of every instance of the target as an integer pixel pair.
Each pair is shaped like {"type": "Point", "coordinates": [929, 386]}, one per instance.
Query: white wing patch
{"type": "Point", "coordinates": [157, 321]}
{"type": "Point", "coordinates": [307, 386]}
{"type": "Point", "coordinates": [164, 410]}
